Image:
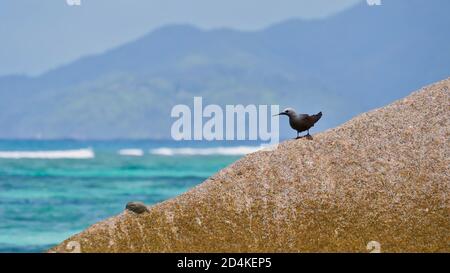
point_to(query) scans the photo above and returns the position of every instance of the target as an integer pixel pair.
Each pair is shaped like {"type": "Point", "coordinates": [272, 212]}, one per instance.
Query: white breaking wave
{"type": "Point", "coordinates": [69, 154]}
{"type": "Point", "coordinates": [240, 150]}
{"type": "Point", "coordinates": [131, 152]}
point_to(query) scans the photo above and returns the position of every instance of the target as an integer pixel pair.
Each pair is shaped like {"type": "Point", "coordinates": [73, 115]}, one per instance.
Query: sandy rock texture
{"type": "Point", "coordinates": [382, 176]}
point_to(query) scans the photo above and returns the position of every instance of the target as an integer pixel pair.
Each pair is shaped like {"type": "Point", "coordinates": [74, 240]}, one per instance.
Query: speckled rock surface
{"type": "Point", "coordinates": [383, 176]}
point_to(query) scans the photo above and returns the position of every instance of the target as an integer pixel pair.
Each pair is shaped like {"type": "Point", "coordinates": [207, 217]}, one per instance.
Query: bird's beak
{"type": "Point", "coordinates": [280, 114]}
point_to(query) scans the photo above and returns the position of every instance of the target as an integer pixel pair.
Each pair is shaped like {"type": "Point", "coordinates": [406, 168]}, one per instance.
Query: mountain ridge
{"type": "Point", "coordinates": [349, 63]}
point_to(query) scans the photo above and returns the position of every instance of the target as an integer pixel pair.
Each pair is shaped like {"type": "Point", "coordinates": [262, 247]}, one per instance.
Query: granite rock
{"type": "Point", "coordinates": [383, 176]}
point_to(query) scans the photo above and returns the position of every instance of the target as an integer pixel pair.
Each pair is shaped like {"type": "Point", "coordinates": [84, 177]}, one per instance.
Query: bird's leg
{"type": "Point", "coordinates": [298, 135]}
{"type": "Point", "coordinates": [308, 136]}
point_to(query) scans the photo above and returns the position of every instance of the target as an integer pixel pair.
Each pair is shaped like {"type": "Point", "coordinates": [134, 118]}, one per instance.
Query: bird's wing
{"type": "Point", "coordinates": [312, 119]}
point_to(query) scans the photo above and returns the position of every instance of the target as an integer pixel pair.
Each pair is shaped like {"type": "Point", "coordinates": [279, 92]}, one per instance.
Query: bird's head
{"type": "Point", "coordinates": [287, 112]}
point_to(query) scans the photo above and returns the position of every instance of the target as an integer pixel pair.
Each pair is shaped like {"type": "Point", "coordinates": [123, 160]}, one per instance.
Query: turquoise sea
{"type": "Point", "coordinates": [50, 190]}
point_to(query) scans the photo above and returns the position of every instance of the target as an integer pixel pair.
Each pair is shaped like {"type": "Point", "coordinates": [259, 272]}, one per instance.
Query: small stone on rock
{"type": "Point", "coordinates": [137, 207]}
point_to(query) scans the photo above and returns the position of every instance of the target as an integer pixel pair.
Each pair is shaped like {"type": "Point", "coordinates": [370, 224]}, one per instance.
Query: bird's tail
{"type": "Point", "coordinates": [317, 116]}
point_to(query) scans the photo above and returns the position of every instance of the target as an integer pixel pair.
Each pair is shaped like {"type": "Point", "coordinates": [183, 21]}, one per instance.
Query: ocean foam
{"type": "Point", "coordinates": [230, 151]}
{"type": "Point", "coordinates": [131, 152]}
{"type": "Point", "coordinates": [65, 154]}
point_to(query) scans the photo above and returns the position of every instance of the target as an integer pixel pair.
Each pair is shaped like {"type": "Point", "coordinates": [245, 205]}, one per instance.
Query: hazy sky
{"type": "Point", "coordinates": [38, 35]}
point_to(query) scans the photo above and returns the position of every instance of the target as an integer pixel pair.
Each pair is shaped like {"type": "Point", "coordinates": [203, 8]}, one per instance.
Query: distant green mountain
{"type": "Point", "coordinates": [359, 59]}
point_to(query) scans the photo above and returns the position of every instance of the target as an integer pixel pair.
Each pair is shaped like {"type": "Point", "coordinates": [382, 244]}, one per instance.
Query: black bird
{"type": "Point", "coordinates": [301, 122]}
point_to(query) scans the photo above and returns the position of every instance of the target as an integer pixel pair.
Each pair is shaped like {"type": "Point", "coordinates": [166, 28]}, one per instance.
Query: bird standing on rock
{"type": "Point", "coordinates": [300, 122]}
